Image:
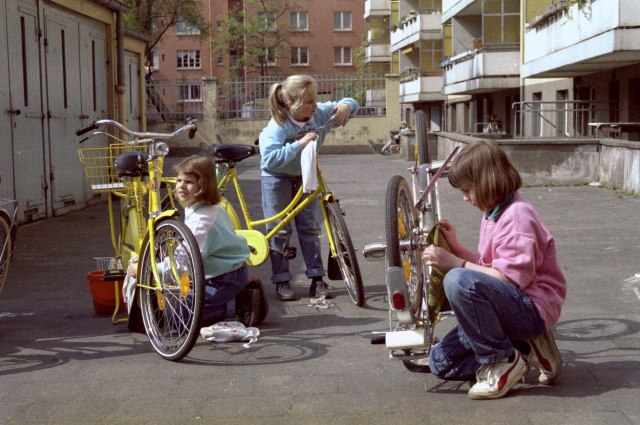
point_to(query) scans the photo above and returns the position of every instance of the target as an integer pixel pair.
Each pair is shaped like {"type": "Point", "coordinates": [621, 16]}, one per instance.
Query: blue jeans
{"type": "Point", "coordinates": [277, 193]}
{"type": "Point", "coordinates": [220, 295]}
{"type": "Point", "coordinates": [492, 315]}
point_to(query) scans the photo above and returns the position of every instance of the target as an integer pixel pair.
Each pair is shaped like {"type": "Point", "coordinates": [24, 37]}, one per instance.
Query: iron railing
{"type": "Point", "coordinates": [248, 98]}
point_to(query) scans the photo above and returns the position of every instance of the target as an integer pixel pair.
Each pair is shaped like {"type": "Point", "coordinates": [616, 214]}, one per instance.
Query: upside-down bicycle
{"type": "Point", "coordinates": [411, 212]}
{"type": "Point", "coordinates": [170, 276]}
{"type": "Point", "coordinates": [343, 263]}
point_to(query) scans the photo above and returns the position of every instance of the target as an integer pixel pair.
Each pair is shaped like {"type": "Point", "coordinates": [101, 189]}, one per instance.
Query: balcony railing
{"type": "Point", "coordinates": [481, 69]}
{"type": "Point", "coordinates": [566, 40]}
{"type": "Point", "coordinates": [377, 53]}
{"type": "Point", "coordinates": [377, 8]}
{"type": "Point", "coordinates": [414, 28]}
{"type": "Point", "coordinates": [420, 88]}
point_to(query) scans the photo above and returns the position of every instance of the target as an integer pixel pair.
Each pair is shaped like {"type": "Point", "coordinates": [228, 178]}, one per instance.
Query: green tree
{"type": "Point", "coordinates": [255, 35]}
{"type": "Point", "coordinates": [154, 17]}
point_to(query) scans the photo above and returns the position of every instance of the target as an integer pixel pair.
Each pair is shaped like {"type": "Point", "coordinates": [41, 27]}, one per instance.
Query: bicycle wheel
{"type": "Point", "coordinates": [402, 245]}
{"type": "Point", "coordinates": [6, 248]}
{"type": "Point", "coordinates": [172, 314]}
{"type": "Point", "coordinates": [422, 138]}
{"type": "Point", "coordinates": [345, 254]}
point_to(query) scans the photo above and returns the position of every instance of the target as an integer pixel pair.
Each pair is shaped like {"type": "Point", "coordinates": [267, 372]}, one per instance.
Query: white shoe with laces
{"type": "Point", "coordinates": [494, 380]}
{"type": "Point", "coordinates": [545, 357]}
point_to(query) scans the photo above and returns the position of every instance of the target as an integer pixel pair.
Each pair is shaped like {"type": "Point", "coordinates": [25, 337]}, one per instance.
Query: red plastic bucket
{"type": "Point", "coordinates": [103, 293]}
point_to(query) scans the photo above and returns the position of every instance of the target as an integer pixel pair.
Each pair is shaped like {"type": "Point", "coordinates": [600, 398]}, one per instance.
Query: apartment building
{"type": "Point", "coordinates": [323, 39]}
{"type": "Point", "coordinates": [415, 42]}
{"type": "Point", "coordinates": [513, 68]}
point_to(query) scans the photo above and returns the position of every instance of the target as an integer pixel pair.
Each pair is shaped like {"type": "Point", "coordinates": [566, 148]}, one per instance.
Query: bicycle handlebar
{"type": "Point", "coordinates": [190, 125]}
{"type": "Point", "coordinates": [325, 126]}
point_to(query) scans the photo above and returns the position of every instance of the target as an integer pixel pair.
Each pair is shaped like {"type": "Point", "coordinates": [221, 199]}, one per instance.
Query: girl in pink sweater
{"type": "Point", "coordinates": [508, 294]}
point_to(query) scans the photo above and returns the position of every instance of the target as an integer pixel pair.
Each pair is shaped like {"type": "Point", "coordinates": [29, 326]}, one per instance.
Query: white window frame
{"type": "Point", "coordinates": [270, 56]}
{"type": "Point", "coordinates": [183, 28]}
{"type": "Point", "coordinates": [267, 21]}
{"type": "Point", "coordinates": [297, 55]}
{"type": "Point", "coordinates": [340, 52]}
{"type": "Point", "coordinates": [295, 19]}
{"type": "Point", "coordinates": [189, 93]}
{"type": "Point", "coordinates": [188, 59]}
{"type": "Point", "coordinates": [342, 25]}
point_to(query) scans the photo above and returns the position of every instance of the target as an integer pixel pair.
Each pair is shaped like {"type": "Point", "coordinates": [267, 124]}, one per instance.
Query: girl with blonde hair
{"type": "Point", "coordinates": [295, 110]}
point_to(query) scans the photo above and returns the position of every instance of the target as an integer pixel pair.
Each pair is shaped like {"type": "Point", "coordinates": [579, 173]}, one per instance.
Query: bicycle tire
{"type": "Point", "coordinates": [172, 318]}
{"type": "Point", "coordinates": [402, 250]}
{"type": "Point", "coordinates": [419, 365]}
{"type": "Point", "coordinates": [345, 253]}
{"type": "Point", "coordinates": [422, 138]}
{"type": "Point", "coordinates": [7, 238]}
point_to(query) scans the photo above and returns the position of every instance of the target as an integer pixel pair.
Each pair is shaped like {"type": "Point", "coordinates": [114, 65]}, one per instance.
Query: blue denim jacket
{"type": "Point", "coordinates": [279, 154]}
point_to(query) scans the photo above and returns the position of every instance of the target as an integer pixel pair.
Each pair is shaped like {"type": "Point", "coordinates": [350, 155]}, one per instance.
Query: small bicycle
{"type": "Point", "coordinates": [411, 212]}
{"type": "Point", "coordinates": [170, 275]}
{"type": "Point", "coordinates": [343, 263]}
{"type": "Point", "coordinates": [8, 231]}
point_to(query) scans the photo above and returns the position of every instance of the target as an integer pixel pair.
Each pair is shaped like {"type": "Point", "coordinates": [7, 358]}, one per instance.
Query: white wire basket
{"type": "Point", "coordinates": [109, 264]}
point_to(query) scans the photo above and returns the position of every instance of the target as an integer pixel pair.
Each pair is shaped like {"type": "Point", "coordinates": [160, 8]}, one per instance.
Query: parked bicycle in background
{"type": "Point", "coordinates": [8, 230]}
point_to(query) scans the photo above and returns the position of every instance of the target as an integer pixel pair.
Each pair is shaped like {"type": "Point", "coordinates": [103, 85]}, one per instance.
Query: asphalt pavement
{"type": "Point", "coordinates": [60, 363]}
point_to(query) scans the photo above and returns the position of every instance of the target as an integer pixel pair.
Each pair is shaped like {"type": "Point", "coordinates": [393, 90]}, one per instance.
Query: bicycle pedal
{"type": "Point", "coordinates": [290, 253]}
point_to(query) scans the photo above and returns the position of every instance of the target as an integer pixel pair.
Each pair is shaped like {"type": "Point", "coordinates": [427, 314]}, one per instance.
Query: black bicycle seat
{"type": "Point", "coordinates": [233, 152]}
{"type": "Point", "coordinates": [130, 164]}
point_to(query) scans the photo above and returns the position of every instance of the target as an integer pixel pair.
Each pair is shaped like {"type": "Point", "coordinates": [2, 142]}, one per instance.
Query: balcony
{"type": "Point", "coordinates": [377, 8]}
{"type": "Point", "coordinates": [568, 42]}
{"type": "Point", "coordinates": [377, 53]}
{"type": "Point", "coordinates": [420, 88]}
{"type": "Point", "coordinates": [416, 28]}
{"type": "Point", "coordinates": [451, 8]}
{"type": "Point", "coordinates": [481, 71]}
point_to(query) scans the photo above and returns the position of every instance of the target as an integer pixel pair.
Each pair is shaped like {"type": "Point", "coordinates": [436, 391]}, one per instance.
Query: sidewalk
{"type": "Point", "coordinates": [62, 364]}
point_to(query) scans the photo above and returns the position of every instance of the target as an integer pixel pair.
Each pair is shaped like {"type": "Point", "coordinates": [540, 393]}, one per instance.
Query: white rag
{"type": "Point", "coordinates": [308, 162]}
{"type": "Point", "coordinates": [229, 332]}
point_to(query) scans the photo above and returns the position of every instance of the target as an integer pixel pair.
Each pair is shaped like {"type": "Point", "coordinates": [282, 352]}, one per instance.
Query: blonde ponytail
{"type": "Point", "coordinates": [294, 89]}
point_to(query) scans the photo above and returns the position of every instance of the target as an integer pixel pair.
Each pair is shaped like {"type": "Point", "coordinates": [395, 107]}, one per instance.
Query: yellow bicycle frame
{"type": "Point", "coordinates": [295, 206]}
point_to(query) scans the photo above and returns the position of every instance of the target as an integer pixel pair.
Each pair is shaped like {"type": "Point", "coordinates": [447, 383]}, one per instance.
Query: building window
{"type": "Point", "coordinates": [190, 93]}
{"type": "Point", "coordinates": [220, 60]}
{"type": "Point", "coordinates": [501, 22]}
{"type": "Point", "coordinates": [431, 53]}
{"type": "Point", "coordinates": [267, 21]}
{"type": "Point", "coordinates": [188, 59]}
{"type": "Point", "coordinates": [342, 55]}
{"type": "Point", "coordinates": [299, 56]}
{"type": "Point", "coordinates": [341, 21]}
{"type": "Point", "coordinates": [270, 56]}
{"type": "Point", "coordinates": [299, 21]}
{"type": "Point", "coordinates": [184, 28]}
{"type": "Point", "coordinates": [218, 26]}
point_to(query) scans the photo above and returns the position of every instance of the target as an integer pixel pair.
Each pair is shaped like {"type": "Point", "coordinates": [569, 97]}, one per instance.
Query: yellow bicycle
{"type": "Point", "coordinates": [343, 263]}
{"type": "Point", "coordinates": [170, 275]}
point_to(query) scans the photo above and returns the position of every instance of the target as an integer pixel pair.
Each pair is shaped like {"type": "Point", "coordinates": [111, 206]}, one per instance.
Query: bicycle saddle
{"type": "Point", "coordinates": [130, 164]}
{"type": "Point", "coordinates": [233, 152]}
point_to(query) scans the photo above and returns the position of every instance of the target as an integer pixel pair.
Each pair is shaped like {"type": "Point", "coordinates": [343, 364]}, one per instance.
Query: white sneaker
{"type": "Point", "coordinates": [545, 357]}
{"type": "Point", "coordinates": [494, 380]}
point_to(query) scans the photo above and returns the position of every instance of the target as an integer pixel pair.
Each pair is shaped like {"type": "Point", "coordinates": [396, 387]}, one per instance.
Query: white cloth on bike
{"type": "Point", "coordinates": [308, 162]}
{"type": "Point", "coordinates": [129, 286]}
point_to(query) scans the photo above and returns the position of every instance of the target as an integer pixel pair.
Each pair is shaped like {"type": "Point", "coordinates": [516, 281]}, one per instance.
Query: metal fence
{"type": "Point", "coordinates": [248, 98]}
{"type": "Point", "coordinates": [559, 119]}
{"type": "Point", "coordinates": [173, 101]}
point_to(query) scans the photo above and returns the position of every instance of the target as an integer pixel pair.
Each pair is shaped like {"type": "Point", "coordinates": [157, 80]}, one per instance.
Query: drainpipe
{"type": "Point", "coordinates": [121, 88]}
